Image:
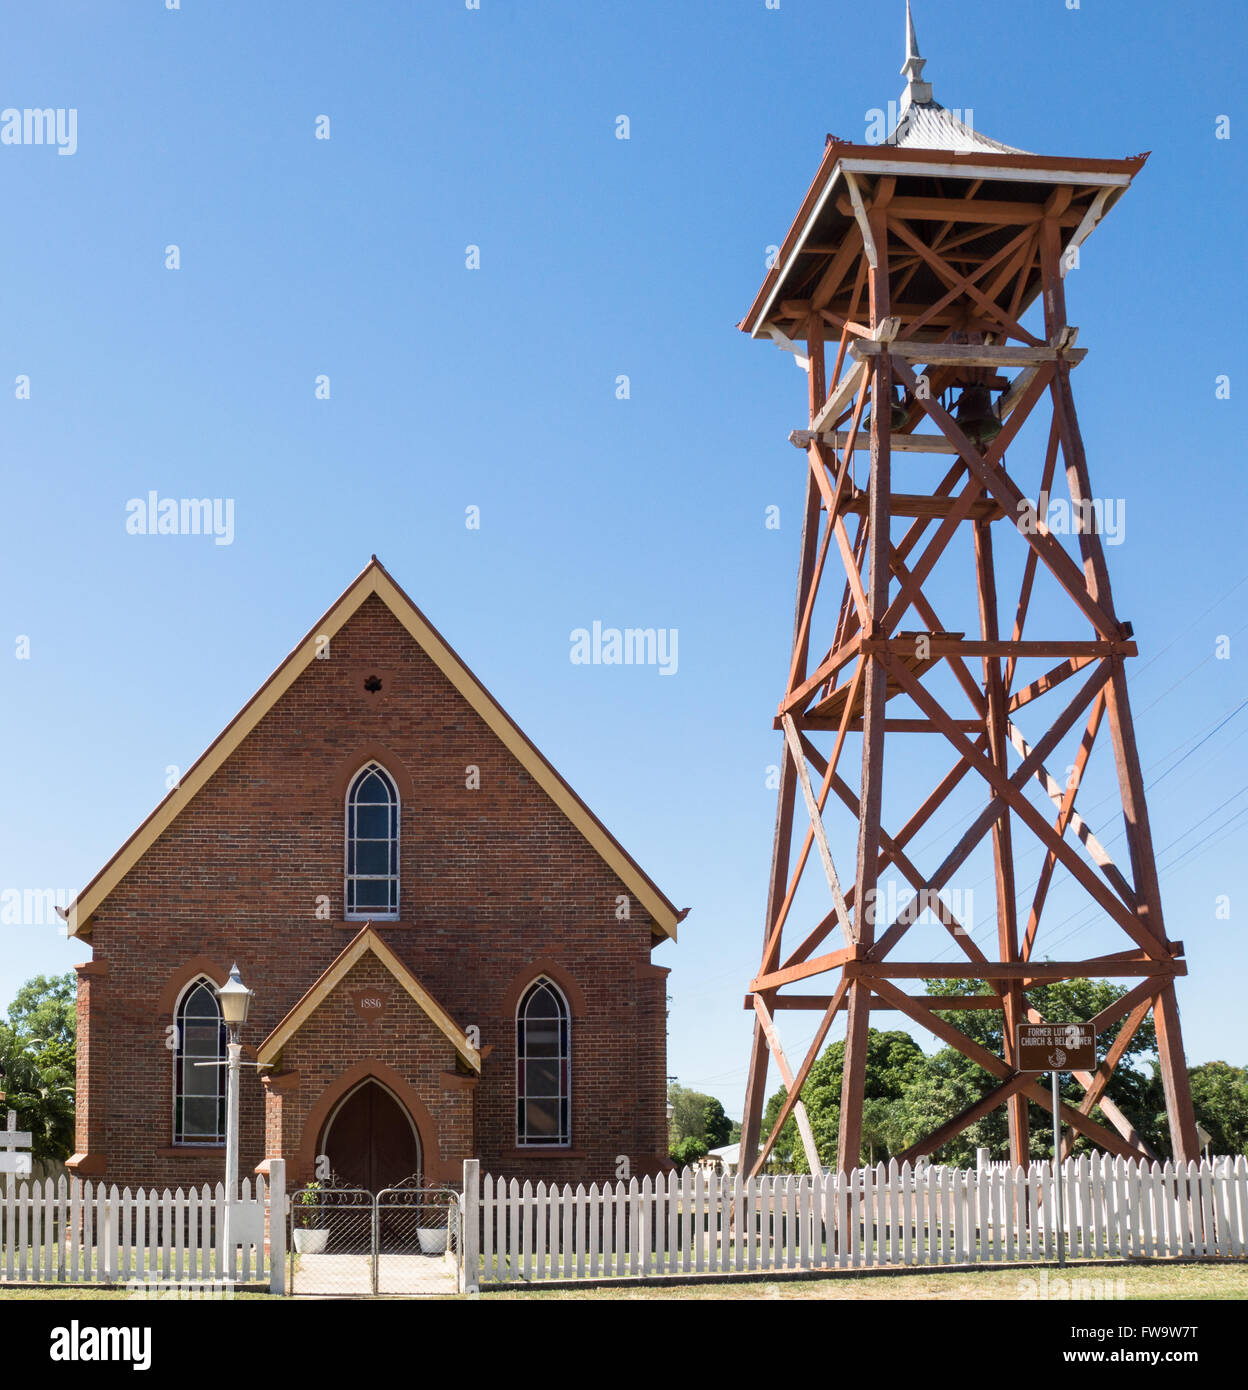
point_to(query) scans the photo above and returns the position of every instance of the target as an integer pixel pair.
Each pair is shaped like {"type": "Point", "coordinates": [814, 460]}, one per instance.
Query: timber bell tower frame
{"type": "Point", "coordinates": [900, 289]}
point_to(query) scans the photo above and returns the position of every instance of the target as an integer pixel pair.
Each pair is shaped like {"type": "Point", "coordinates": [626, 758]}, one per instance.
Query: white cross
{"type": "Point", "coordinates": [12, 1139]}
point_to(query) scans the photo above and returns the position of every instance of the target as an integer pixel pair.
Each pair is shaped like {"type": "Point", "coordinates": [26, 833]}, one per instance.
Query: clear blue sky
{"type": "Point", "coordinates": [496, 388]}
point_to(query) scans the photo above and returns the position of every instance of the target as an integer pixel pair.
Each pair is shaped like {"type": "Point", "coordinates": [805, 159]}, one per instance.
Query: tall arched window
{"type": "Point", "coordinates": [199, 1090]}
{"type": "Point", "coordinates": [543, 1092]}
{"type": "Point", "coordinates": [372, 878]}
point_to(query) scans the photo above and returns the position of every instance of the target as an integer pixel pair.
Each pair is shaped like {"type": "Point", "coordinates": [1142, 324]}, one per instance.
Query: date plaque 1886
{"type": "Point", "coordinates": [370, 1004]}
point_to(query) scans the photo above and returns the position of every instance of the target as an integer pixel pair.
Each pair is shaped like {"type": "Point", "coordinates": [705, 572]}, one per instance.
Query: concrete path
{"type": "Point", "coordinates": [350, 1276]}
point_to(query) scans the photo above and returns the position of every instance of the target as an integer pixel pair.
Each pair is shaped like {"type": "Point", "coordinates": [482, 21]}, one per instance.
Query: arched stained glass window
{"type": "Point", "coordinates": [198, 1073]}
{"type": "Point", "coordinates": [543, 1092]}
{"type": "Point", "coordinates": [372, 870]}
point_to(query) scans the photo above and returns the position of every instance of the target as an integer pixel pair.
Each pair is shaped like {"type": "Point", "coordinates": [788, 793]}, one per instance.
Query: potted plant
{"type": "Point", "coordinates": [310, 1238]}
{"type": "Point", "coordinates": [435, 1218]}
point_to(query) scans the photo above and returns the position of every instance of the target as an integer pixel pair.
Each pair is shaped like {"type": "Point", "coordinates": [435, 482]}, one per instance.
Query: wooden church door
{"type": "Point", "coordinates": [371, 1141]}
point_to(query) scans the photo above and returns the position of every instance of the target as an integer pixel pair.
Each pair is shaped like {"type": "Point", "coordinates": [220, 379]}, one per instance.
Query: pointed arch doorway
{"type": "Point", "coordinates": [370, 1139]}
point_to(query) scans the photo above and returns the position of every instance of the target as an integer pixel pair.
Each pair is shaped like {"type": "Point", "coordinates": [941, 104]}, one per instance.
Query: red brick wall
{"type": "Point", "coordinates": [92, 1007]}
{"type": "Point", "coordinates": [492, 880]}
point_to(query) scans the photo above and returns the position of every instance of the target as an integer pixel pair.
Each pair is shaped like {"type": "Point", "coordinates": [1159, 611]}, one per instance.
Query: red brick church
{"type": "Point", "coordinates": [450, 954]}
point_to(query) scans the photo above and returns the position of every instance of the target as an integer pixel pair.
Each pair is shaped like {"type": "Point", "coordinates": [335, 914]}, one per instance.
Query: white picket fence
{"type": "Point", "coordinates": [692, 1222]}
{"type": "Point", "coordinates": [75, 1232]}
{"type": "Point", "coordinates": [702, 1223]}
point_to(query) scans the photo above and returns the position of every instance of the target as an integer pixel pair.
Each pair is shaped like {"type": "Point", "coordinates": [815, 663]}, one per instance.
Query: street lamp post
{"type": "Point", "coordinates": [235, 1000]}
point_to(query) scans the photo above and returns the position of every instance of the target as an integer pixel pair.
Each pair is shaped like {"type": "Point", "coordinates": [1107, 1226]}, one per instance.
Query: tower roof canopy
{"type": "Point", "coordinates": [930, 154]}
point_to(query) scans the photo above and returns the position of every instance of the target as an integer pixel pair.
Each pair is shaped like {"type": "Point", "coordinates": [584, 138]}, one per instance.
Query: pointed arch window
{"type": "Point", "coordinates": [543, 1055]}
{"type": "Point", "coordinates": [372, 869]}
{"type": "Point", "coordinates": [198, 1070]}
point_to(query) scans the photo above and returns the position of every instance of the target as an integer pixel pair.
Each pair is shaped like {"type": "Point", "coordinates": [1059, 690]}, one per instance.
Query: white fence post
{"type": "Point", "coordinates": [470, 1273]}
{"type": "Point", "coordinates": [277, 1225]}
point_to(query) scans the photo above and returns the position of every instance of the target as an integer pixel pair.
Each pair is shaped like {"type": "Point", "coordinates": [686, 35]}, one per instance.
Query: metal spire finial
{"type": "Point", "coordinates": [917, 91]}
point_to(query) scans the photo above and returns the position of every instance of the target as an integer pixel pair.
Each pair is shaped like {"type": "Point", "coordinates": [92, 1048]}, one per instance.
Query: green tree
{"type": "Point", "coordinates": [697, 1116]}
{"type": "Point", "coordinates": [1220, 1099]}
{"type": "Point", "coordinates": [687, 1151]}
{"type": "Point", "coordinates": [718, 1125]}
{"type": "Point", "coordinates": [41, 1093]}
{"type": "Point", "coordinates": [37, 1052]}
{"type": "Point", "coordinates": [47, 1007]}
{"type": "Point", "coordinates": [945, 1085]}
{"type": "Point", "coordinates": [45, 1010]}
{"type": "Point", "coordinates": [893, 1058]}
{"type": "Point", "coordinates": [1149, 1114]}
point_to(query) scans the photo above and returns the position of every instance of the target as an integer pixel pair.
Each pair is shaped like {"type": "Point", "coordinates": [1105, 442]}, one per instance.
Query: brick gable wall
{"type": "Point", "coordinates": [335, 1043]}
{"type": "Point", "coordinates": [492, 880]}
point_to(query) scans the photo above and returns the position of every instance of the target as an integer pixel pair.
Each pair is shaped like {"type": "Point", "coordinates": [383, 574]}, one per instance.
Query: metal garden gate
{"type": "Point", "coordinates": [348, 1242]}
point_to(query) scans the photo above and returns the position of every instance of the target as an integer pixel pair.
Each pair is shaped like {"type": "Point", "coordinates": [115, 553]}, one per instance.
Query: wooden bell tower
{"type": "Point", "coordinates": [901, 287]}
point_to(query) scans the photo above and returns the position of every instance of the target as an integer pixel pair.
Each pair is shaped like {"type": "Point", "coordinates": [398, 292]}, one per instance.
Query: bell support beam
{"type": "Point", "coordinates": [966, 355]}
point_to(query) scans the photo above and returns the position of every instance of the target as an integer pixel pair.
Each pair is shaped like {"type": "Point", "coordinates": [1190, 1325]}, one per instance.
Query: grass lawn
{"type": "Point", "coordinates": [95, 1293]}
{"type": "Point", "coordinates": [1129, 1281]}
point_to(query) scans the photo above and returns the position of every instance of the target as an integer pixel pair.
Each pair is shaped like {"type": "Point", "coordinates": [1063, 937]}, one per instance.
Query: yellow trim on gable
{"type": "Point", "coordinates": [374, 580]}
{"type": "Point", "coordinates": [366, 940]}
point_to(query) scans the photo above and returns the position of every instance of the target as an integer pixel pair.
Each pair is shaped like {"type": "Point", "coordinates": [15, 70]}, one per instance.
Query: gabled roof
{"type": "Point", "coordinates": [364, 941]}
{"type": "Point", "coordinates": [374, 579]}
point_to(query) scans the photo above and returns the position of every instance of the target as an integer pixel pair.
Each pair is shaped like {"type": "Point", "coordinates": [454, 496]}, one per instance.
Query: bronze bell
{"type": "Point", "coordinates": [977, 416]}
{"type": "Point", "coordinates": [898, 411]}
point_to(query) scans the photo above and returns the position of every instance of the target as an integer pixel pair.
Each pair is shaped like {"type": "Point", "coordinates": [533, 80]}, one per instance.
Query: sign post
{"type": "Point", "coordinates": [1055, 1048]}
{"type": "Point", "coordinates": [1059, 1214]}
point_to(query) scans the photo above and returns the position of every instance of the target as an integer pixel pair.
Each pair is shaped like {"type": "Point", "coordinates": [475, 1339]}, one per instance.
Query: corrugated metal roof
{"type": "Point", "coordinates": [930, 126]}
{"type": "Point", "coordinates": [924, 124]}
